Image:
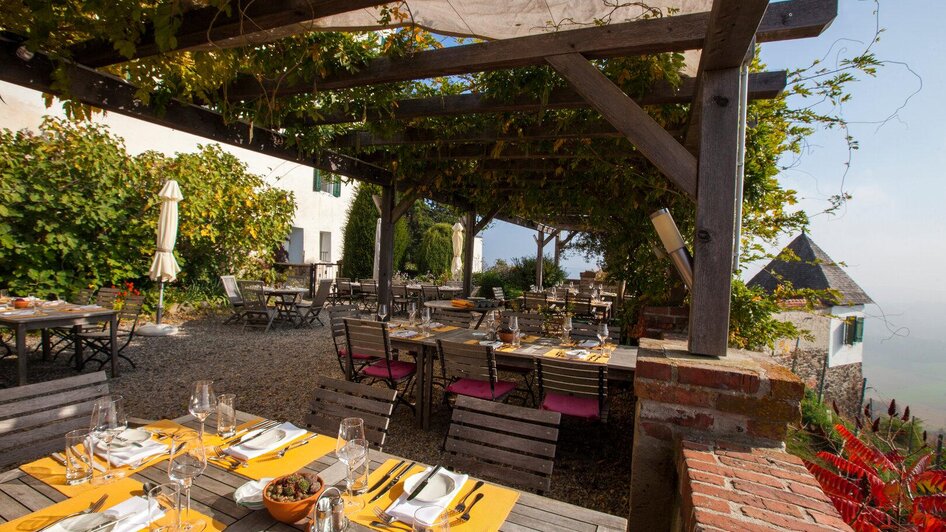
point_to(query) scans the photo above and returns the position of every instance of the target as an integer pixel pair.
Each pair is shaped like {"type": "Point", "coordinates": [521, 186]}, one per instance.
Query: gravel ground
{"type": "Point", "coordinates": [271, 374]}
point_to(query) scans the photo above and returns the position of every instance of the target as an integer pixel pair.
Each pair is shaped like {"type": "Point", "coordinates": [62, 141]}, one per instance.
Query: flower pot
{"type": "Point", "coordinates": [21, 303]}
{"type": "Point", "coordinates": [506, 337]}
{"type": "Point", "coordinates": [293, 511]}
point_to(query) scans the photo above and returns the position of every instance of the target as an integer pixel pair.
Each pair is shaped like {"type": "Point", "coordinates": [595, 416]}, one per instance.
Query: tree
{"type": "Point", "coordinates": [359, 235]}
{"type": "Point", "coordinates": [436, 249]}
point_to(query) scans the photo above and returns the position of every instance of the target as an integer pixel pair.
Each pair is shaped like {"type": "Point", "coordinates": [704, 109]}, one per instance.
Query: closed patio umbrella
{"type": "Point", "coordinates": [457, 266]}
{"type": "Point", "coordinates": [164, 267]}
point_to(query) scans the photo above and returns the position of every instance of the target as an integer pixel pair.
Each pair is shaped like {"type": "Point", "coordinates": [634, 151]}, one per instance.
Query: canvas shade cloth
{"type": "Point", "coordinates": [164, 267]}
{"type": "Point", "coordinates": [457, 266]}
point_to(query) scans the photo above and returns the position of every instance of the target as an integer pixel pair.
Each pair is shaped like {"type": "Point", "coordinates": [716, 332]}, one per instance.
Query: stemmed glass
{"type": "Point", "coordinates": [412, 315]}
{"type": "Point", "coordinates": [566, 328]}
{"type": "Point", "coordinates": [491, 324]}
{"type": "Point", "coordinates": [382, 312]}
{"type": "Point", "coordinates": [188, 461]}
{"type": "Point", "coordinates": [108, 421]}
{"type": "Point", "coordinates": [514, 327]}
{"type": "Point", "coordinates": [203, 402]}
{"type": "Point", "coordinates": [351, 447]}
{"type": "Point", "coordinates": [603, 334]}
{"type": "Point", "coordinates": [425, 321]}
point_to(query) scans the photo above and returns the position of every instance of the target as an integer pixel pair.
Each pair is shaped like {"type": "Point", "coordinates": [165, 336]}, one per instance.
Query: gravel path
{"type": "Point", "coordinates": [271, 375]}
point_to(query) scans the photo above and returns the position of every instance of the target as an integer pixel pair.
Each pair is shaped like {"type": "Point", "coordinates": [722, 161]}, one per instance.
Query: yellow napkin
{"type": "Point", "coordinates": [117, 492]}
{"type": "Point", "coordinates": [53, 473]}
{"type": "Point", "coordinates": [489, 514]}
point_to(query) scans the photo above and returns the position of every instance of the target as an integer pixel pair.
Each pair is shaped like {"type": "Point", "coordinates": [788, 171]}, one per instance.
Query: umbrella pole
{"type": "Point", "coordinates": [160, 303]}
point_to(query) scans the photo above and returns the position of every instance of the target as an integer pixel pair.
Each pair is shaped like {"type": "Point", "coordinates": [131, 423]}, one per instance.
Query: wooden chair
{"type": "Point", "coordinates": [343, 290]}
{"type": "Point", "coordinates": [334, 400]}
{"type": "Point", "coordinates": [471, 370]}
{"type": "Point", "coordinates": [369, 294]}
{"type": "Point", "coordinates": [310, 310]}
{"type": "Point", "coordinates": [35, 418]}
{"type": "Point", "coordinates": [573, 388]}
{"type": "Point", "coordinates": [63, 337]}
{"type": "Point", "coordinates": [581, 307]}
{"type": "Point", "coordinates": [82, 296]}
{"type": "Point", "coordinates": [583, 330]}
{"type": "Point", "coordinates": [106, 297]}
{"type": "Point", "coordinates": [529, 323]}
{"type": "Point", "coordinates": [232, 292]}
{"type": "Point", "coordinates": [337, 315]}
{"type": "Point", "coordinates": [370, 338]}
{"type": "Point", "coordinates": [534, 301]}
{"type": "Point", "coordinates": [400, 298]}
{"type": "Point", "coordinates": [256, 313]}
{"type": "Point", "coordinates": [453, 318]}
{"type": "Point", "coordinates": [503, 443]}
{"type": "Point", "coordinates": [100, 342]}
{"type": "Point", "coordinates": [499, 294]}
{"type": "Point", "coordinates": [429, 292]}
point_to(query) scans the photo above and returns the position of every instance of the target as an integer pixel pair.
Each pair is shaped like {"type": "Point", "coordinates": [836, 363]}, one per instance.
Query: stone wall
{"type": "Point", "coordinates": [842, 383]}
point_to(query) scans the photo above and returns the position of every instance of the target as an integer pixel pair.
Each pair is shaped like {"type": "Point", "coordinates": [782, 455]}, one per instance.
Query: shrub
{"type": "Point", "coordinates": [521, 273]}
{"type": "Point", "coordinates": [359, 234]}
{"type": "Point", "coordinates": [436, 249]}
{"type": "Point", "coordinates": [487, 280]}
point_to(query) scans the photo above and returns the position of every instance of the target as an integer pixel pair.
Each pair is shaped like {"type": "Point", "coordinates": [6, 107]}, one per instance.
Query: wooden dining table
{"type": "Point", "coordinates": [63, 315]}
{"type": "Point", "coordinates": [22, 494]}
{"type": "Point", "coordinates": [621, 364]}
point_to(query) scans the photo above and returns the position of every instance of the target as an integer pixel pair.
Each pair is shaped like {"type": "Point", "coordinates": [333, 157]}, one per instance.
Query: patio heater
{"type": "Point", "coordinates": [674, 245]}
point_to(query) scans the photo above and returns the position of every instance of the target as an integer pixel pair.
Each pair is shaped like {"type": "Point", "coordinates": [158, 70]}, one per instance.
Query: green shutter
{"type": "Point", "coordinates": [858, 330]}
{"type": "Point", "coordinates": [849, 331]}
{"type": "Point", "coordinates": [337, 187]}
{"type": "Point", "coordinates": [316, 180]}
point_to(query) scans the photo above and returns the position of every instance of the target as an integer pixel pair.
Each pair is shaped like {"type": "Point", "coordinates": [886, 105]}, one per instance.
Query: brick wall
{"type": "Point", "coordinates": [659, 321]}
{"type": "Point", "coordinates": [726, 486]}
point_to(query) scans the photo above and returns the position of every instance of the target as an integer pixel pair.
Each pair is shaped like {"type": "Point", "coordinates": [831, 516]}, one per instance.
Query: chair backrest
{"type": "Point", "coordinates": [498, 293]}
{"type": "Point", "coordinates": [583, 330]}
{"type": "Point", "coordinates": [580, 305]}
{"type": "Point", "coordinates": [369, 286]}
{"type": "Point", "coordinates": [534, 300]}
{"type": "Point", "coordinates": [131, 309]}
{"type": "Point", "coordinates": [367, 337]}
{"type": "Point", "coordinates": [106, 297]}
{"type": "Point", "coordinates": [334, 400]}
{"type": "Point", "coordinates": [465, 361]}
{"type": "Point", "coordinates": [574, 378]}
{"type": "Point", "coordinates": [34, 418]}
{"type": "Point", "coordinates": [399, 289]}
{"type": "Point", "coordinates": [343, 285]}
{"type": "Point", "coordinates": [459, 319]}
{"type": "Point", "coordinates": [503, 443]}
{"type": "Point", "coordinates": [337, 315]}
{"type": "Point", "coordinates": [83, 296]}
{"type": "Point", "coordinates": [321, 294]}
{"type": "Point", "coordinates": [528, 323]}
{"type": "Point", "coordinates": [430, 292]}
{"type": "Point", "coordinates": [231, 289]}
{"type": "Point", "coordinates": [254, 297]}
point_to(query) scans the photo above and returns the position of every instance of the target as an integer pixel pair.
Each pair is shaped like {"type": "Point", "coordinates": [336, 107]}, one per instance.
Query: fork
{"type": "Point", "coordinates": [232, 460]}
{"type": "Point", "coordinates": [466, 515]}
{"type": "Point", "coordinates": [94, 507]}
{"type": "Point", "coordinates": [383, 516]}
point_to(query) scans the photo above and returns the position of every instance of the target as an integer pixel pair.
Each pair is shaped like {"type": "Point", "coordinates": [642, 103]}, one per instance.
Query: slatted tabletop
{"type": "Point", "coordinates": [212, 494]}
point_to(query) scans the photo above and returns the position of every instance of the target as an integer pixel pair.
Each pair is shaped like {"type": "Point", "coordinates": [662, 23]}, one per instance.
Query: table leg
{"type": "Point", "coordinates": [47, 349]}
{"type": "Point", "coordinates": [421, 361]}
{"type": "Point", "coordinates": [113, 341]}
{"type": "Point", "coordinates": [428, 387]}
{"type": "Point", "coordinates": [21, 353]}
{"type": "Point", "coordinates": [77, 347]}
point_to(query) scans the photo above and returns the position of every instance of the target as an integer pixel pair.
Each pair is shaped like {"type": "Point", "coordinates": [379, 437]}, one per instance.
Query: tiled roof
{"type": "Point", "coordinates": [814, 270]}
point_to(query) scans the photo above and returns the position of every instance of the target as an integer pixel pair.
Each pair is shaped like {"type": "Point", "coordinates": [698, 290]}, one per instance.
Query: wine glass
{"type": "Point", "coordinates": [425, 321]}
{"type": "Point", "coordinates": [514, 327]}
{"type": "Point", "coordinates": [351, 447]}
{"type": "Point", "coordinates": [603, 334]}
{"type": "Point", "coordinates": [188, 461]}
{"type": "Point", "coordinates": [566, 328]}
{"type": "Point", "coordinates": [203, 402]}
{"type": "Point", "coordinates": [412, 315]}
{"type": "Point", "coordinates": [382, 312]}
{"type": "Point", "coordinates": [431, 519]}
{"type": "Point", "coordinates": [108, 421]}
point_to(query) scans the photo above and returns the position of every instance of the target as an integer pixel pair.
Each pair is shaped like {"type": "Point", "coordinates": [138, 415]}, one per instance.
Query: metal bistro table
{"type": "Point", "coordinates": [284, 300]}
{"type": "Point", "coordinates": [64, 316]}
{"type": "Point", "coordinates": [621, 365]}
{"type": "Point", "coordinates": [212, 495]}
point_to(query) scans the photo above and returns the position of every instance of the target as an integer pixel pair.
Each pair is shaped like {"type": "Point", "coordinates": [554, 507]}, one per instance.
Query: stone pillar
{"type": "Point", "coordinates": [742, 397]}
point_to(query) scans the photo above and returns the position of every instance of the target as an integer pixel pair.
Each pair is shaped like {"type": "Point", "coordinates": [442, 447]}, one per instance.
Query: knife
{"type": "Point", "coordinates": [58, 457]}
{"type": "Point", "coordinates": [393, 482]}
{"type": "Point", "coordinates": [423, 484]}
{"type": "Point", "coordinates": [258, 435]}
{"type": "Point", "coordinates": [243, 432]}
{"type": "Point", "coordinates": [386, 476]}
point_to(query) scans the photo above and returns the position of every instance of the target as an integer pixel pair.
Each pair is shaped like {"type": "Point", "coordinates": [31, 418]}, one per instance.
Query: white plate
{"type": "Point", "coordinates": [130, 436]}
{"type": "Point", "coordinates": [84, 523]}
{"type": "Point", "coordinates": [576, 353]}
{"type": "Point", "coordinates": [266, 440]}
{"type": "Point", "coordinates": [437, 487]}
{"type": "Point", "coordinates": [479, 335]}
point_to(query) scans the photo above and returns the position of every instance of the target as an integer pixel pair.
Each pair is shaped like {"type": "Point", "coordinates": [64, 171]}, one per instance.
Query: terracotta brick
{"type": "Point", "coordinates": [700, 476]}
{"type": "Point", "coordinates": [758, 478]}
{"type": "Point", "coordinates": [726, 522]}
{"type": "Point", "coordinates": [699, 456]}
{"type": "Point", "coordinates": [782, 508]}
{"type": "Point", "coordinates": [760, 408]}
{"type": "Point", "coordinates": [783, 383]}
{"type": "Point", "coordinates": [793, 474]}
{"type": "Point", "coordinates": [661, 431]}
{"type": "Point", "coordinates": [782, 521]}
{"type": "Point", "coordinates": [695, 446]}
{"type": "Point", "coordinates": [772, 430]}
{"type": "Point", "coordinates": [772, 469]}
{"type": "Point", "coordinates": [810, 488]}
{"type": "Point", "coordinates": [665, 392]}
{"type": "Point", "coordinates": [830, 520]}
{"type": "Point", "coordinates": [782, 495]}
{"type": "Point", "coordinates": [726, 494]}
{"type": "Point", "coordinates": [710, 468]}
{"type": "Point", "coordinates": [718, 378]}
{"type": "Point", "coordinates": [711, 503]}
{"type": "Point", "coordinates": [657, 369]}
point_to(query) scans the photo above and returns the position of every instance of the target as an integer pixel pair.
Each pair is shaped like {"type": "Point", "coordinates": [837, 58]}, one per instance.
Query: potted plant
{"type": "Point", "coordinates": [289, 499]}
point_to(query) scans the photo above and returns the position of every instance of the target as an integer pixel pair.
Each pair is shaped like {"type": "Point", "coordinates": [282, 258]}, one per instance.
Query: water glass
{"type": "Point", "coordinates": [163, 503]}
{"type": "Point", "coordinates": [431, 519]}
{"type": "Point", "coordinates": [351, 447]}
{"type": "Point", "coordinates": [382, 312]}
{"type": "Point", "coordinates": [78, 456]}
{"type": "Point", "coordinates": [514, 327]}
{"type": "Point", "coordinates": [566, 328]}
{"type": "Point", "coordinates": [226, 415]}
{"type": "Point", "coordinates": [603, 334]}
{"type": "Point", "coordinates": [203, 402]}
{"type": "Point", "coordinates": [412, 315]}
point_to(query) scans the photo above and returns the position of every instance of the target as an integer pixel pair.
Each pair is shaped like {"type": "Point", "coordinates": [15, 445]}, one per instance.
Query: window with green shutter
{"type": "Point", "coordinates": [337, 188]}
{"type": "Point", "coordinates": [859, 330]}
{"type": "Point", "coordinates": [853, 330]}
{"type": "Point", "coordinates": [316, 180]}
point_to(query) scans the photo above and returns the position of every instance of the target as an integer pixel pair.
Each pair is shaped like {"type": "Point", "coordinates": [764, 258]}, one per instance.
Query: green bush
{"type": "Point", "coordinates": [436, 249]}
{"type": "Point", "coordinates": [359, 234]}
{"type": "Point", "coordinates": [487, 280]}
{"type": "Point", "coordinates": [521, 273]}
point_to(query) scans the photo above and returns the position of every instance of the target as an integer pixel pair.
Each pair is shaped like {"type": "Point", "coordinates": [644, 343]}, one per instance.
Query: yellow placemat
{"type": "Point", "coordinates": [489, 514]}
{"type": "Point", "coordinates": [117, 492]}
{"type": "Point", "coordinates": [445, 328]}
{"type": "Point", "coordinates": [53, 473]}
{"type": "Point", "coordinates": [593, 358]}
{"type": "Point", "coordinates": [269, 465]}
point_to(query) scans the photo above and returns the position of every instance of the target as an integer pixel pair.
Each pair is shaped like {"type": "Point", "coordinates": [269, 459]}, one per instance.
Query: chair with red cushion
{"type": "Point", "coordinates": [573, 388]}
{"type": "Point", "coordinates": [337, 315]}
{"type": "Point", "coordinates": [471, 370]}
{"type": "Point", "coordinates": [370, 338]}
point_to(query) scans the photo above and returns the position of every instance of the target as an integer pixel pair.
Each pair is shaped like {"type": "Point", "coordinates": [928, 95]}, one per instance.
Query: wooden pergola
{"type": "Point", "coordinates": [702, 160]}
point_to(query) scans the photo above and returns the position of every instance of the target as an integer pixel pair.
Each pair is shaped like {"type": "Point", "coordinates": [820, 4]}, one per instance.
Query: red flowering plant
{"type": "Point", "coordinates": [127, 289]}
{"type": "Point", "coordinates": [878, 481]}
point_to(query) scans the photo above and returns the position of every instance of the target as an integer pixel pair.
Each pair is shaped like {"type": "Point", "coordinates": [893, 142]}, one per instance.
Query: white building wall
{"type": "Point", "coordinates": [316, 211]}
{"type": "Point", "coordinates": [840, 353]}
{"type": "Point", "coordinates": [477, 254]}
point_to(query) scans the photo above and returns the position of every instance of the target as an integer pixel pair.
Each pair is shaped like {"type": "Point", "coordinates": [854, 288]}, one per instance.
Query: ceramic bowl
{"type": "Point", "coordinates": [294, 511]}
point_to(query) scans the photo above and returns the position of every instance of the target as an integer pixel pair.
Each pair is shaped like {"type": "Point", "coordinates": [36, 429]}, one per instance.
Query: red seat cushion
{"type": "Point", "coordinates": [399, 369]}
{"type": "Point", "coordinates": [583, 407]}
{"type": "Point", "coordinates": [357, 356]}
{"type": "Point", "coordinates": [480, 389]}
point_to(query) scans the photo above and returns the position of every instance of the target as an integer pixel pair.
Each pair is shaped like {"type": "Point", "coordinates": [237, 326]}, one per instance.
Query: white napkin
{"type": "Point", "coordinates": [589, 343]}
{"type": "Point", "coordinates": [241, 452]}
{"type": "Point", "coordinates": [403, 510]}
{"type": "Point", "coordinates": [89, 307]}
{"type": "Point", "coordinates": [132, 454]}
{"type": "Point", "coordinates": [405, 333]}
{"type": "Point", "coordinates": [20, 312]}
{"type": "Point", "coordinates": [435, 325]}
{"type": "Point", "coordinates": [495, 344]}
{"type": "Point", "coordinates": [133, 513]}
{"type": "Point", "coordinates": [52, 303]}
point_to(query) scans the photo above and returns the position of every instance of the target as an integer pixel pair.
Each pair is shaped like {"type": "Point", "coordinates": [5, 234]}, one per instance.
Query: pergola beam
{"type": "Point", "coordinates": [668, 34]}
{"type": "Point", "coordinates": [209, 28]}
{"type": "Point", "coordinates": [763, 85]}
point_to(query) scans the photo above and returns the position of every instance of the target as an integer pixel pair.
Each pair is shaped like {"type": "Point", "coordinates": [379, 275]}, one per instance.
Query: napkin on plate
{"type": "Point", "coordinates": [403, 510]}
{"type": "Point", "coordinates": [405, 333]}
{"type": "Point", "coordinates": [20, 312]}
{"type": "Point", "coordinates": [241, 452]}
{"type": "Point", "coordinates": [89, 307]}
{"type": "Point", "coordinates": [589, 343]}
{"type": "Point", "coordinates": [132, 454]}
{"type": "Point", "coordinates": [132, 513]}
{"type": "Point", "coordinates": [435, 325]}
{"type": "Point", "coordinates": [494, 344]}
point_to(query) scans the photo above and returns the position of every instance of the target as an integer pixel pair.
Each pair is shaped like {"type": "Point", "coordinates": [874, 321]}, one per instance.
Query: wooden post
{"type": "Point", "coordinates": [715, 213]}
{"type": "Point", "coordinates": [470, 230]}
{"type": "Point", "coordinates": [539, 262]}
{"type": "Point", "coordinates": [386, 258]}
